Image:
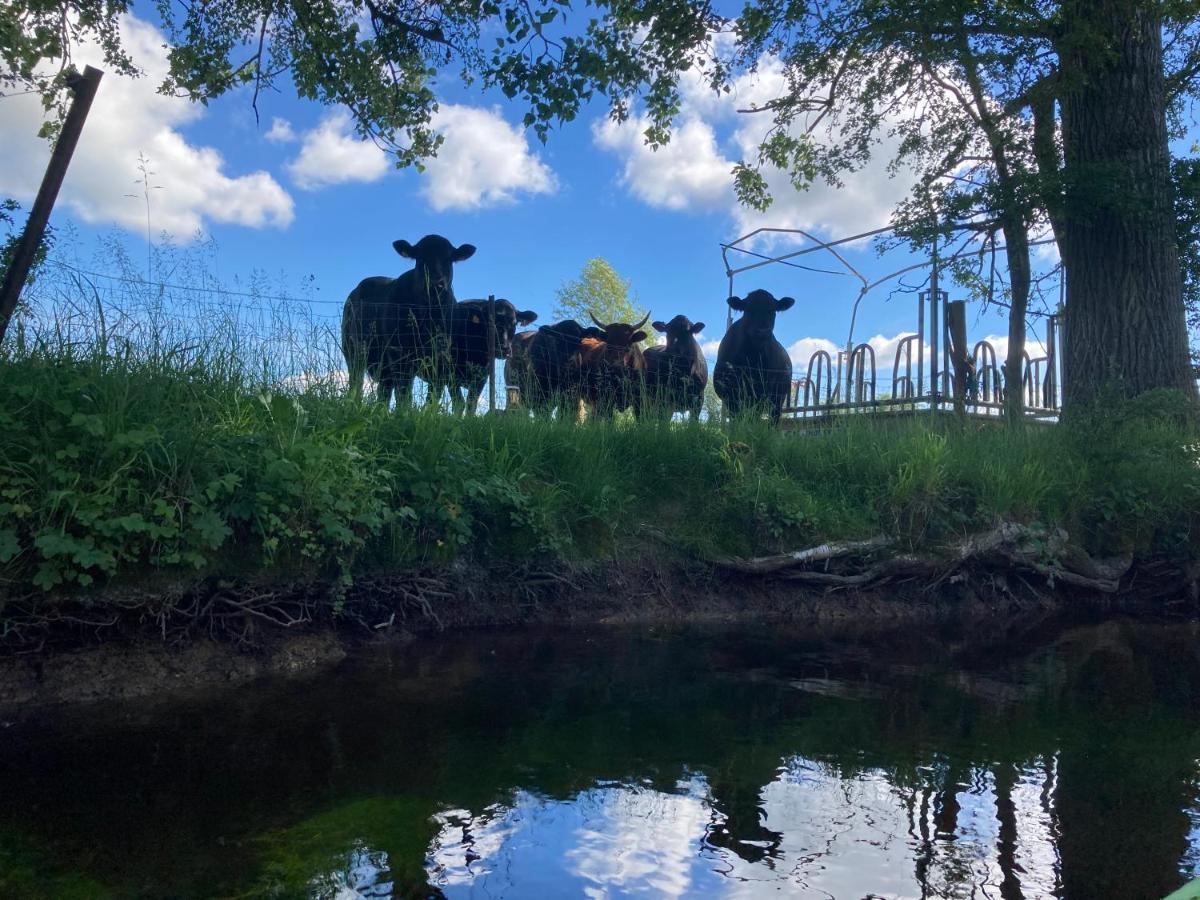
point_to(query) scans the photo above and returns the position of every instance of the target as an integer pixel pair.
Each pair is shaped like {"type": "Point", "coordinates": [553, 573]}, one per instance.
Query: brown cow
{"type": "Point", "coordinates": [613, 369]}
{"type": "Point", "coordinates": [544, 366]}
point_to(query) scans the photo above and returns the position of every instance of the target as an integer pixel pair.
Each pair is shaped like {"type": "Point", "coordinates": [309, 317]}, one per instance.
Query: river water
{"type": "Point", "coordinates": [706, 762]}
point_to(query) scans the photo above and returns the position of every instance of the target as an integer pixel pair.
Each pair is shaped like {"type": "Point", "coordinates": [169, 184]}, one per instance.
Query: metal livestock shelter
{"type": "Point", "coordinates": [956, 370]}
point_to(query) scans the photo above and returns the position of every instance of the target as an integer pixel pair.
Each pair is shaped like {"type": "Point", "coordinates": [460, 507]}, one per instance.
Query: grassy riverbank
{"type": "Point", "coordinates": [124, 470]}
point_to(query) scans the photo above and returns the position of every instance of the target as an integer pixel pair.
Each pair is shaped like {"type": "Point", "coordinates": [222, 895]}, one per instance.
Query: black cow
{"type": "Point", "coordinates": [544, 366]}
{"type": "Point", "coordinates": [390, 324]}
{"type": "Point", "coordinates": [614, 370]}
{"type": "Point", "coordinates": [469, 365]}
{"type": "Point", "coordinates": [752, 368]}
{"type": "Point", "coordinates": [677, 374]}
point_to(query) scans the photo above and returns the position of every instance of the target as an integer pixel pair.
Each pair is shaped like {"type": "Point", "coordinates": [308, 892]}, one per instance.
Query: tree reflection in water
{"type": "Point", "coordinates": [714, 762]}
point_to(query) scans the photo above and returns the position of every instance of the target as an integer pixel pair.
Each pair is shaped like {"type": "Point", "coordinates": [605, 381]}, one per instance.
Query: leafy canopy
{"type": "Point", "coordinates": [381, 58]}
{"type": "Point", "coordinates": [950, 80]}
{"type": "Point", "coordinates": [601, 292]}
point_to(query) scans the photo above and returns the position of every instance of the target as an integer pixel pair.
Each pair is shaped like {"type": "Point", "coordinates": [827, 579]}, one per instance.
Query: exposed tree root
{"type": "Point", "coordinates": [1008, 546]}
{"type": "Point", "coordinates": [222, 609]}
{"type": "Point", "coordinates": [768, 565]}
{"type": "Point", "coordinates": [1010, 563]}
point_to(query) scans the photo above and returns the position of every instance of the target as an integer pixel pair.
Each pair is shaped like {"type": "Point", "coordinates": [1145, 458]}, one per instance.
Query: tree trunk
{"type": "Point", "coordinates": [1125, 329]}
{"type": "Point", "coordinates": [1016, 242]}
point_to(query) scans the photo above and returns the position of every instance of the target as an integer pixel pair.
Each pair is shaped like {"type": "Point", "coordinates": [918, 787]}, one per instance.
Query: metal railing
{"type": "Point", "coordinates": [925, 376]}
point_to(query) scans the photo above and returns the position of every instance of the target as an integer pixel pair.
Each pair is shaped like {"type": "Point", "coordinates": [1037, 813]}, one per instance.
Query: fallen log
{"type": "Point", "coordinates": [768, 565]}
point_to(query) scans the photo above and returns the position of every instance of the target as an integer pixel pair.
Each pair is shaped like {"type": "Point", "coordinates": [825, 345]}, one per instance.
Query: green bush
{"type": "Point", "coordinates": [121, 467]}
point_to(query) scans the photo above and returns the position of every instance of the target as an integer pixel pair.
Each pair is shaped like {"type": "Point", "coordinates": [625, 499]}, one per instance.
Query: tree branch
{"type": "Point", "coordinates": [430, 34]}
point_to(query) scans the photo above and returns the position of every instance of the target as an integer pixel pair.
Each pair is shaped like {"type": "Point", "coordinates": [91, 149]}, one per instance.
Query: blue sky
{"type": "Point", "coordinates": [296, 195]}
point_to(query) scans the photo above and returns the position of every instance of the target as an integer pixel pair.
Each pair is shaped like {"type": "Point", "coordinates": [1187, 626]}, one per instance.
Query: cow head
{"type": "Point", "coordinates": [758, 310]}
{"type": "Point", "coordinates": [570, 333]}
{"type": "Point", "coordinates": [678, 329]}
{"type": "Point", "coordinates": [508, 317]}
{"type": "Point", "coordinates": [435, 258]}
{"type": "Point", "coordinates": [620, 338]}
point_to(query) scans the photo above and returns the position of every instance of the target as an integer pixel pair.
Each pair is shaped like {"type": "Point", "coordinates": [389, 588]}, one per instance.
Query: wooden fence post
{"type": "Point", "coordinates": [84, 88]}
{"type": "Point", "coordinates": [956, 325]}
{"type": "Point", "coordinates": [491, 352]}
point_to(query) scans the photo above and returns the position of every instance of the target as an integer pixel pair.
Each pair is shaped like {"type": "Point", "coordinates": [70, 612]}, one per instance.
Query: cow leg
{"type": "Point", "coordinates": [776, 409]}
{"type": "Point", "coordinates": [433, 395]}
{"type": "Point", "coordinates": [474, 391]}
{"type": "Point", "coordinates": [383, 390]}
{"type": "Point", "coordinates": [403, 383]}
{"type": "Point", "coordinates": [733, 406]}
{"type": "Point", "coordinates": [355, 372]}
{"type": "Point", "coordinates": [476, 381]}
{"type": "Point", "coordinates": [633, 398]}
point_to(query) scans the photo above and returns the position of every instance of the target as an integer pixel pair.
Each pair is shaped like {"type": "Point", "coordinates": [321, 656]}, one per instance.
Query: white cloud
{"type": "Point", "coordinates": [864, 201]}
{"type": "Point", "coordinates": [484, 161]}
{"type": "Point", "coordinates": [1045, 255]}
{"type": "Point", "coordinates": [129, 118]}
{"type": "Point", "coordinates": [331, 154]}
{"type": "Point", "coordinates": [281, 131]}
{"type": "Point", "coordinates": [802, 351]}
{"type": "Point", "coordinates": [885, 349]}
{"type": "Point", "coordinates": [687, 173]}
{"type": "Point", "coordinates": [694, 171]}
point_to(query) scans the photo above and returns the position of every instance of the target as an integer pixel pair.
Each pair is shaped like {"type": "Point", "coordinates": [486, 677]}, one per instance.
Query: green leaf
{"type": "Point", "coordinates": [10, 545]}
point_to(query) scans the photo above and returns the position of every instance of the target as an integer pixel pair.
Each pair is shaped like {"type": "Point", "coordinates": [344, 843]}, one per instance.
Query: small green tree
{"type": "Point", "coordinates": [599, 291]}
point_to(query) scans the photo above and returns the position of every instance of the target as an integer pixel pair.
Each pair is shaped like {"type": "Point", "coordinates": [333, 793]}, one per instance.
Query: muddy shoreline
{"type": "Point", "coordinates": [136, 656]}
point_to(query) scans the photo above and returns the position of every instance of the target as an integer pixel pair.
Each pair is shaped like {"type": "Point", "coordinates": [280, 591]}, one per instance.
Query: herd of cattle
{"type": "Point", "coordinates": [396, 329]}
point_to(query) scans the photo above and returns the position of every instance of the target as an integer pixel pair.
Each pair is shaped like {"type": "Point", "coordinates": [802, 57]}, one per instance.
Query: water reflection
{"type": "Point", "coordinates": [726, 763]}
{"type": "Point", "coordinates": [825, 837]}
{"type": "Point", "coordinates": [610, 839]}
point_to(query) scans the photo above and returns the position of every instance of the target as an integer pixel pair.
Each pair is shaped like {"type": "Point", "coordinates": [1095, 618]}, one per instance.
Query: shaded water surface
{"type": "Point", "coordinates": [698, 763]}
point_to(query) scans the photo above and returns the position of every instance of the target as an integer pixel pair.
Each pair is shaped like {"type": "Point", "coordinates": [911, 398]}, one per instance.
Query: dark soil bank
{"type": "Point", "coordinates": [154, 653]}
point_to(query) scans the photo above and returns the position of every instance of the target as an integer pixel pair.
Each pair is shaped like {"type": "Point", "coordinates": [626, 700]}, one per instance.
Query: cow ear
{"type": "Point", "coordinates": [737, 303]}
{"type": "Point", "coordinates": [404, 248]}
{"type": "Point", "coordinates": [659, 326]}
{"type": "Point", "coordinates": [784, 303]}
{"type": "Point", "coordinates": [463, 251]}
{"type": "Point", "coordinates": [526, 317]}
{"type": "Point", "coordinates": [697, 327]}
{"type": "Point", "coordinates": [637, 336]}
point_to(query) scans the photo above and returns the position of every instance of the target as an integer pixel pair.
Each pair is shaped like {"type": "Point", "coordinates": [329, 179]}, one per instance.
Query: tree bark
{"type": "Point", "coordinates": [1125, 329]}
{"type": "Point", "coordinates": [1016, 241]}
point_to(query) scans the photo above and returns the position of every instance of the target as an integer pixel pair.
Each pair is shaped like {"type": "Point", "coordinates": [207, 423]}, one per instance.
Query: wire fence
{"type": "Point", "coordinates": [285, 340]}
{"type": "Point", "coordinates": [294, 342]}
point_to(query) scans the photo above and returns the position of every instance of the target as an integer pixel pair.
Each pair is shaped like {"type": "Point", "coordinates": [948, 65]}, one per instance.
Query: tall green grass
{"type": "Point", "coordinates": [117, 467]}
{"type": "Point", "coordinates": [156, 448]}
